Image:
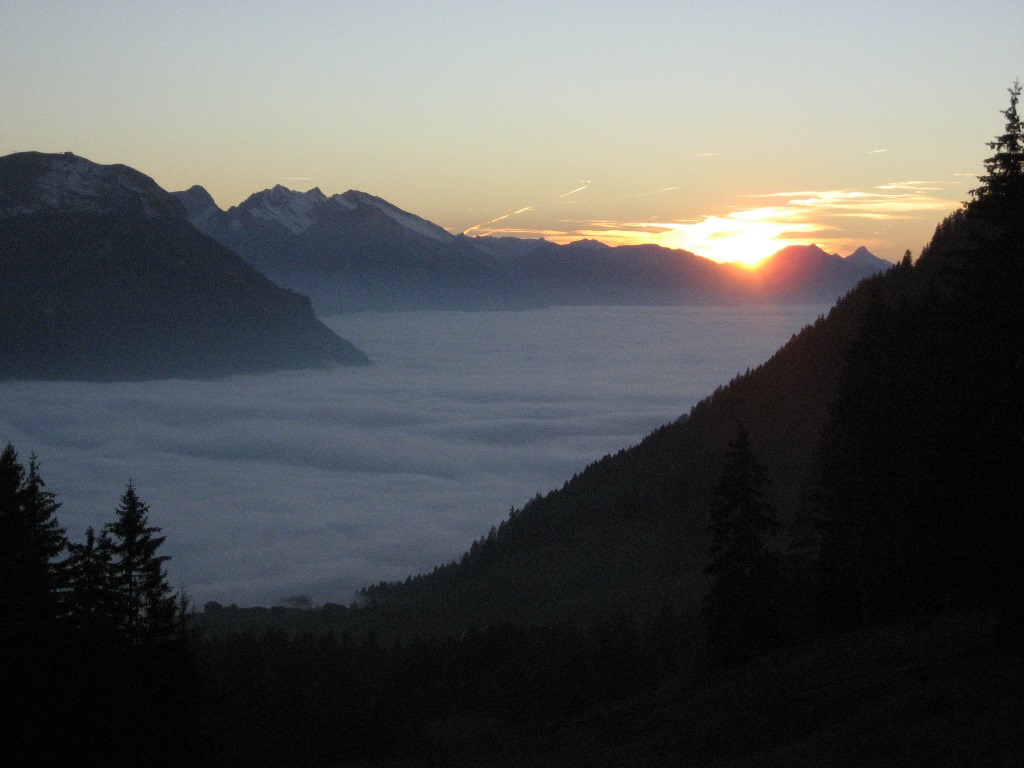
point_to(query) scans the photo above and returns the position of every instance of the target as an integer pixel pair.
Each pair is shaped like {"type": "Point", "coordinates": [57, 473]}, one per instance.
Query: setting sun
{"type": "Point", "coordinates": [742, 237]}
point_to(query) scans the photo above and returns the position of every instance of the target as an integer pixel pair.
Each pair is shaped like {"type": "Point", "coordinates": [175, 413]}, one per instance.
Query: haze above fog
{"type": "Point", "coordinates": [321, 482]}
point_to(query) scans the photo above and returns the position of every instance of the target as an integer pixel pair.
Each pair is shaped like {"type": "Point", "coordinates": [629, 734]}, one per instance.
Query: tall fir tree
{"type": "Point", "coordinates": [742, 605]}
{"type": "Point", "coordinates": [1004, 170]}
{"type": "Point", "coordinates": [31, 542]}
{"type": "Point", "coordinates": [91, 605]}
{"type": "Point", "coordinates": [146, 604]}
{"type": "Point", "coordinates": [31, 580]}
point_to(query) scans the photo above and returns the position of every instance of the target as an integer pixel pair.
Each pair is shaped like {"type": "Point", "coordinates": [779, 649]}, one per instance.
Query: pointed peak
{"type": "Point", "coordinates": [199, 205]}
{"type": "Point", "coordinates": [863, 255]}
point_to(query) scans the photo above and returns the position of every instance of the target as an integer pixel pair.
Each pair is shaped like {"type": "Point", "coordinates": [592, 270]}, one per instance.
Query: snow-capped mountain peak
{"type": "Point", "coordinates": [296, 211]}
{"type": "Point", "coordinates": [349, 200]}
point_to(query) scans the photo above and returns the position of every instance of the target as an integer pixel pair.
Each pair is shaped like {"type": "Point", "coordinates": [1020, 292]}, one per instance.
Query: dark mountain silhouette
{"type": "Point", "coordinates": [356, 251]}
{"type": "Point", "coordinates": [104, 277]}
{"type": "Point", "coordinates": [804, 272]}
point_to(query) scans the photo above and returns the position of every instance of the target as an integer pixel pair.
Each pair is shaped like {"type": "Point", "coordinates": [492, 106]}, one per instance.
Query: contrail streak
{"type": "Point", "coordinates": [499, 218]}
{"type": "Point", "coordinates": [652, 192]}
{"type": "Point", "coordinates": [574, 191]}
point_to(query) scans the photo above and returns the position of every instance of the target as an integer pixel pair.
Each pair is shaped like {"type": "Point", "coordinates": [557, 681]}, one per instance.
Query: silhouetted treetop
{"type": "Point", "coordinates": [1004, 176]}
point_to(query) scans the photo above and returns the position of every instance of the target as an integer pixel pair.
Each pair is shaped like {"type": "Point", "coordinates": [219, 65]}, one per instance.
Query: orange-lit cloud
{"type": "Point", "coordinates": [749, 235]}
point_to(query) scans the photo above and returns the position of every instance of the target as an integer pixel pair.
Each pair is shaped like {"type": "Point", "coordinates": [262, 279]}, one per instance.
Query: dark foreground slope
{"type": "Point", "coordinates": [946, 693]}
{"type": "Point", "coordinates": [102, 277]}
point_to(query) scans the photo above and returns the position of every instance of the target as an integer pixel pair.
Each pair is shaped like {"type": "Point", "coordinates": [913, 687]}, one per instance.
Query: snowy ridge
{"type": "Point", "coordinates": [349, 200]}
{"type": "Point", "coordinates": [71, 183]}
{"type": "Point", "coordinates": [295, 211]}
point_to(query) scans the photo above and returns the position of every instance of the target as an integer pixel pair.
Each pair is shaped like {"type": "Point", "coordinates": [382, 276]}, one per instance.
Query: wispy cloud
{"type": "Point", "coordinates": [705, 154]}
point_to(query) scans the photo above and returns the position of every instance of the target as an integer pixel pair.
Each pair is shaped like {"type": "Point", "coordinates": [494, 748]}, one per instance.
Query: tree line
{"type": "Point", "coordinates": [91, 632]}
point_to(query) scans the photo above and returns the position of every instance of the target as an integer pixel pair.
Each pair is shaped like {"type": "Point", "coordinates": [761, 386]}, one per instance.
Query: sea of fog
{"type": "Point", "coordinates": [321, 482]}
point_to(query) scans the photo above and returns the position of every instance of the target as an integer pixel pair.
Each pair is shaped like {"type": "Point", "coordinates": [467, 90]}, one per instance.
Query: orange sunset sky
{"type": "Point", "coordinates": [730, 129]}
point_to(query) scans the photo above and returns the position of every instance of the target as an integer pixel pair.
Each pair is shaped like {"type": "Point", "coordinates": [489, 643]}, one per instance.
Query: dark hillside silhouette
{"type": "Point", "coordinates": [923, 460]}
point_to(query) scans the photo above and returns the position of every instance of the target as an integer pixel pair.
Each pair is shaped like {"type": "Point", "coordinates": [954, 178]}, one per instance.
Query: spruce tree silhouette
{"type": "Point", "coordinates": [742, 605]}
{"type": "Point", "coordinates": [147, 605]}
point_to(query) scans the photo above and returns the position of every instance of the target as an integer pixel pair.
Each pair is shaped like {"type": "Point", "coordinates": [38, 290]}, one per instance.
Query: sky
{"type": "Point", "coordinates": [322, 482]}
{"type": "Point", "coordinates": [728, 128]}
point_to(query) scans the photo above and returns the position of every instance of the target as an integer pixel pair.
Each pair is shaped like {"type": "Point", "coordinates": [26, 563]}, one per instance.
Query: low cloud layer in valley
{"type": "Point", "coordinates": [320, 482]}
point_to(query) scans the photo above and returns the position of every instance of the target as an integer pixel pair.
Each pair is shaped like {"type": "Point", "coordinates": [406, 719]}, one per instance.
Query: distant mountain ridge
{"type": "Point", "coordinates": [355, 251]}
{"type": "Point", "coordinates": [104, 277]}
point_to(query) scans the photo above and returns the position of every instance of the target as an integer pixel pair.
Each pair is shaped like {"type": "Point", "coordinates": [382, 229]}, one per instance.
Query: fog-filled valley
{"type": "Point", "coordinates": [318, 483]}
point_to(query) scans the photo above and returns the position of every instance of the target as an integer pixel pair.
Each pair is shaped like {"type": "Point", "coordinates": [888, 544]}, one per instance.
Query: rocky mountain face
{"type": "Point", "coordinates": [103, 277]}
{"type": "Point", "coordinates": [355, 251]}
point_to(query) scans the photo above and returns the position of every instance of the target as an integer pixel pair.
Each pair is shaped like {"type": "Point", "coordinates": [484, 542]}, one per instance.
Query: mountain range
{"type": "Point", "coordinates": [103, 277]}
{"type": "Point", "coordinates": [355, 251]}
{"type": "Point", "coordinates": [107, 276]}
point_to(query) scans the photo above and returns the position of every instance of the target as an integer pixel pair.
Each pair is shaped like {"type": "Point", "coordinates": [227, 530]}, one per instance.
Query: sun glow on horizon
{"type": "Point", "coordinates": [836, 220]}
{"type": "Point", "coordinates": [746, 238]}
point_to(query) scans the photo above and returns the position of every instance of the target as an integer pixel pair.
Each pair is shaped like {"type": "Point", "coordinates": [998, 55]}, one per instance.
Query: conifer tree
{"type": "Point", "coordinates": [744, 569]}
{"type": "Point", "coordinates": [1004, 176]}
{"type": "Point", "coordinates": [146, 604]}
{"type": "Point", "coordinates": [31, 541]}
{"type": "Point", "coordinates": [91, 604]}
